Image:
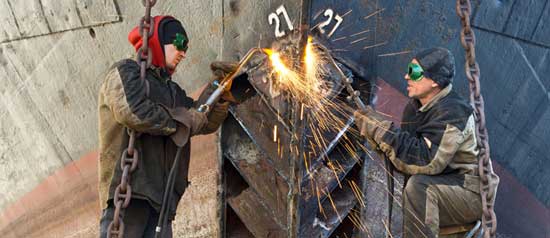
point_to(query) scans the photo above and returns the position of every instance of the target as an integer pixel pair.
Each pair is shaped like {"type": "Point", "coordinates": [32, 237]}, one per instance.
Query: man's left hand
{"type": "Point", "coordinates": [368, 121]}
{"type": "Point", "coordinates": [220, 70]}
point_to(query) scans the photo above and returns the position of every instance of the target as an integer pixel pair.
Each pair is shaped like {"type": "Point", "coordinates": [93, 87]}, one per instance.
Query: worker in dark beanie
{"type": "Point", "coordinates": [435, 147]}
{"type": "Point", "coordinates": [163, 117]}
{"type": "Point", "coordinates": [438, 65]}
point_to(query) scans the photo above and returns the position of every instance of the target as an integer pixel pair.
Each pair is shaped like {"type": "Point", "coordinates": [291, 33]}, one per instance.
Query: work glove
{"type": "Point", "coordinates": [371, 124]}
{"type": "Point", "coordinates": [190, 122]}
{"type": "Point", "coordinates": [216, 117]}
{"type": "Point", "coordinates": [220, 69]}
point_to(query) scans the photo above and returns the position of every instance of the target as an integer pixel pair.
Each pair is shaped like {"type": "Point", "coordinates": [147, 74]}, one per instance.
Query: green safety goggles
{"type": "Point", "coordinates": [181, 42]}
{"type": "Point", "coordinates": [416, 73]}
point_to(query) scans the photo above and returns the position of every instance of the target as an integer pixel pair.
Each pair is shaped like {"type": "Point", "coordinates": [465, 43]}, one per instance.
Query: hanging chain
{"type": "Point", "coordinates": [130, 155]}
{"type": "Point", "coordinates": [468, 40]}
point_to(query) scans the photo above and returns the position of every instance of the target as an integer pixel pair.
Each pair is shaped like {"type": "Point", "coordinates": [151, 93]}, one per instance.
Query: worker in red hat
{"type": "Point", "coordinates": [163, 117]}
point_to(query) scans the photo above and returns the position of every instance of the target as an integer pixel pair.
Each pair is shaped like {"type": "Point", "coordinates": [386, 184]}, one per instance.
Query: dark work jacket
{"type": "Point", "coordinates": [124, 104]}
{"type": "Point", "coordinates": [436, 138]}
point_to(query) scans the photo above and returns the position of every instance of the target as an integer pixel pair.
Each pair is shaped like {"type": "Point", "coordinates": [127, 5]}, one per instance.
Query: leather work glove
{"type": "Point", "coordinates": [220, 69]}
{"type": "Point", "coordinates": [216, 117]}
{"type": "Point", "coordinates": [371, 124]}
{"type": "Point", "coordinates": [190, 123]}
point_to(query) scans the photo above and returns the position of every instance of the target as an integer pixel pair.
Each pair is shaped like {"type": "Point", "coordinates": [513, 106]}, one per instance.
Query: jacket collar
{"type": "Point", "coordinates": [444, 92]}
{"type": "Point", "coordinates": [160, 73]}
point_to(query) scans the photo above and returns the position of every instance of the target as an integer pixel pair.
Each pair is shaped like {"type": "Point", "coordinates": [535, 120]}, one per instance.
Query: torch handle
{"type": "Point", "coordinates": [354, 94]}
{"type": "Point", "coordinates": [223, 86]}
{"type": "Point", "coordinates": [348, 80]}
{"type": "Point", "coordinates": [214, 97]}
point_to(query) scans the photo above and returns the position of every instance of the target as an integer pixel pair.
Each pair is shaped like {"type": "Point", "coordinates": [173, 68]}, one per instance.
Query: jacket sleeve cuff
{"type": "Point", "coordinates": [184, 125]}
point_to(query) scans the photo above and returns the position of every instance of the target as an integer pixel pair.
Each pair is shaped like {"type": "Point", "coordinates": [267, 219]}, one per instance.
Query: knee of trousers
{"type": "Point", "coordinates": [416, 188]}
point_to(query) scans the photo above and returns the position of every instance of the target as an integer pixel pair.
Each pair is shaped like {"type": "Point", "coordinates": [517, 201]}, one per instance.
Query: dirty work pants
{"type": "Point", "coordinates": [437, 201]}
{"type": "Point", "coordinates": [140, 220]}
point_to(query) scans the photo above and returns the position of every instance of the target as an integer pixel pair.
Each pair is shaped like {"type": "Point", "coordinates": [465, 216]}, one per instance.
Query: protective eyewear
{"type": "Point", "coordinates": [181, 42]}
{"type": "Point", "coordinates": [416, 73]}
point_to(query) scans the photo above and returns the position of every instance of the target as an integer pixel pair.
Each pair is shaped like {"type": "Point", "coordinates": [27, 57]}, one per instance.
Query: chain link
{"type": "Point", "coordinates": [468, 40]}
{"type": "Point", "coordinates": [130, 156]}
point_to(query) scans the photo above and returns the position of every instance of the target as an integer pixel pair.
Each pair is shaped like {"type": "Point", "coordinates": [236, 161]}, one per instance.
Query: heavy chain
{"type": "Point", "coordinates": [468, 40]}
{"type": "Point", "coordinates": [130, 155]}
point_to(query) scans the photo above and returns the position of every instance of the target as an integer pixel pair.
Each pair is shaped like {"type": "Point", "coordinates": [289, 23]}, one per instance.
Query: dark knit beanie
{"type": "Point", "coordinates": [168, 29]}
{"type": "Point", "coordinates": [438, 64]}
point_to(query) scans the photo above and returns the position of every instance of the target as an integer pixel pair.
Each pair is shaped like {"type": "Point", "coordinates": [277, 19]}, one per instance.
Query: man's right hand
{"type": "Point", "coordinates": [190, 123]}
{"type": "Point", "coordinates": [216, 117]}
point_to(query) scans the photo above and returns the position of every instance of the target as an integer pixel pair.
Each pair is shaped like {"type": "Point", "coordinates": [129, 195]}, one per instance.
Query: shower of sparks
{"type": "Point", "coordinates": [275, 133]}
{"type": "Point", "coordinates": [375, 45]}
{"type": "Point", "coordinates": [359, 33]}
{"type": "Point", "coordinates": [355, 218]}
{"type": "Point", "coordinates": [317, 14]}
{"type": "Point", "coordinates": [327, 116]}
{"type": "Point", "coordinates": [348, 12]}
{"type": "Point", "coordinates": [341, 38]}
{"type": "Point", "coordinates": [388, 231]}
{"type": "Point", "coordinates": [357, 191]}
{"type": "Point", "coordinates": [396, 53]}
{"type": "Point", "coordinates": [374, 13]}
{"type": "Point", "coordinates": [334, 206]}
{"type": "Point", "coordinates": [358, 40]}
{"type": "Point", "coordinates": [279, 148]}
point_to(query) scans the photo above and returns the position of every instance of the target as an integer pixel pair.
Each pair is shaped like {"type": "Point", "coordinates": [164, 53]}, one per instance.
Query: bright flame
{"type": "Point", "coordinates": [326, 116]}
{"type": "Point", "coordinates": [277, 63]}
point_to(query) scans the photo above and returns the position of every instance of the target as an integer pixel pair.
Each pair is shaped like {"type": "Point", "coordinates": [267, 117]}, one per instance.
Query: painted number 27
{"type": "Point", "coordinates": [330, 13]}
{"type": "Point", "coordinates": [274, 18]}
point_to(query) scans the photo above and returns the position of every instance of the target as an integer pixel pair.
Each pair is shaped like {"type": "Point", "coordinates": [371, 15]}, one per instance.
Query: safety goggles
{"type": "Point", "coordinates": [416, 73]}
{"type": "Point", "coordinates": [181, 42]}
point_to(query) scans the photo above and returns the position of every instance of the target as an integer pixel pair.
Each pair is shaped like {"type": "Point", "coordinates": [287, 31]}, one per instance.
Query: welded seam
{"type": "Point", "coordinates": [48, 131]}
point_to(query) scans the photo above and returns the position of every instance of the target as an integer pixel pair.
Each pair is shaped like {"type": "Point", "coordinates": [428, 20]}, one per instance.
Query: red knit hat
{"type": "Point", "coordinates": [154, 42]}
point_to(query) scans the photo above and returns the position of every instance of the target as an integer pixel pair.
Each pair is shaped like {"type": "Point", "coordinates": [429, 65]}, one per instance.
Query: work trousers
{"type": "Point", "coordinates": [140, 220]}
{"type": "Point", "coordinates": [437, 201]}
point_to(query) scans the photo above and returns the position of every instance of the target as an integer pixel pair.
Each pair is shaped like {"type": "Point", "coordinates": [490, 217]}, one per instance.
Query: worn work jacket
{"type": "Point", "coordinates": [124, 104]}
{"type": "Point", "coordinates": [436, 138]}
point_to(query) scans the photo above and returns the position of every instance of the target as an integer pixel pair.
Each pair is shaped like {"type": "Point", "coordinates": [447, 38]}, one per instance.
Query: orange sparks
{"type": "Point", "coordinates": [275, 133]}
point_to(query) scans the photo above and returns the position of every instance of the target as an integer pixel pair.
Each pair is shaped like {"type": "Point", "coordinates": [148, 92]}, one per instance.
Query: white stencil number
{"type": "Point", "coordinates": [330, 14]}
{"type": "Point", "coordinates": [274, 18]}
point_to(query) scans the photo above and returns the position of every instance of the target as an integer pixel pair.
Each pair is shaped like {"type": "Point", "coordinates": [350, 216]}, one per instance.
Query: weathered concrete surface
{"type": "Point", "coordinates": [41, 17]}
{"type": "Point", "coordinates": [66, 204]}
